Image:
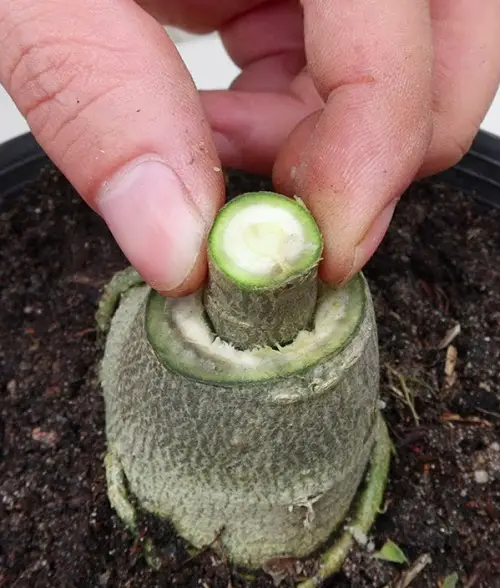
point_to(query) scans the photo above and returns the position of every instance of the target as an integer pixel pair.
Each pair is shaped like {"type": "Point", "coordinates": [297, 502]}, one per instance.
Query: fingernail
{"type": "Point", "coordinates": [151, 216]}
{"type": "Point", "coordinates": [368, 245]}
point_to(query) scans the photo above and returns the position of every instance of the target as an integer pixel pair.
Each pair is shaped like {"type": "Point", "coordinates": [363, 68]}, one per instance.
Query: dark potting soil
{"type": "Point", "coordinates": [436, 286]}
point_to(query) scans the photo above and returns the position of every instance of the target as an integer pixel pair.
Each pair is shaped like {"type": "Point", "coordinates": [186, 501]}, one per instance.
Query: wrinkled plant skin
{"type": "Point", "coordinates": [229, 308]}
{"type": "Point", "coordinates": [275, 462]}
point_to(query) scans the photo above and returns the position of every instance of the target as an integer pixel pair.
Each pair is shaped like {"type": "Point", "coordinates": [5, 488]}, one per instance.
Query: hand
{"type": "Point", "coordinates": [346, 102]}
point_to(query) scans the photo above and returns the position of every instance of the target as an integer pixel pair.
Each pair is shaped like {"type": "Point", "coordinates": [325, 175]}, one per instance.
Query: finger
{"type": "Point", "coordinates": [371, 63]}
{"type": "Point", "coordinates": [466, 76]}
{"type": "Point", "coordinates": [278, 27]}
{"type": "Point", "coordinates": [270, 97]}
{"type": "Point", "coordinates": [109, 99]}
{"type": "Point", "coordinates": [197, 16]}
{"type": "Point", "coordinates": [251, 127]}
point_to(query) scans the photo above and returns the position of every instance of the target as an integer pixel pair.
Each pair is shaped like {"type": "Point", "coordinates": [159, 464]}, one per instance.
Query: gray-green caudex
{"type": "Point", "coordinates": [252, 405]}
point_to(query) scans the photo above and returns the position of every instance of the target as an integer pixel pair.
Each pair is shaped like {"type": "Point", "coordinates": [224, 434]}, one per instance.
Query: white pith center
{"type": "Point", "coordinates": [332, 316]}
{"type": "Point", "coordinates": [264, 239]}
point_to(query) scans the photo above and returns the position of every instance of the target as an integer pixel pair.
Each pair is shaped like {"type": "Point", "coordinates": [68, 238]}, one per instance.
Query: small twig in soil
{"type": "Point", "coordinates": [450, 374]}
{"type": "Point", "coordinates": [443, 300]}
{"type": "Point", "coordinates": [407, 577]}
{"type": "Point", "coordinates": [488, 412]}
{"type": "Point", "coordinates": [86, 280]}
{"type": "Point", "coordinates": [436, 294]}
{"type": "Point", "coordinates": [450, 336]}
{"type": "Point", "coordinates": [403, 392]}
{"type": "Point", "coordinates": [452, 418]}
{"type": "Point", "coordinates": [84, 332]}
{"type": "Point", "coordinates": [421, 384]}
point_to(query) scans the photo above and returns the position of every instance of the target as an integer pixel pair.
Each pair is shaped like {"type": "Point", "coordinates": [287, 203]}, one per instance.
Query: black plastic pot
{"type": "Point", "coordinates": [478, 173]}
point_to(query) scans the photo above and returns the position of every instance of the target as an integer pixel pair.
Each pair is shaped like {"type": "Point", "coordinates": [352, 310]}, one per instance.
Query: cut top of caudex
{"type": "Point", "coordinates": [182, 338]}
{"type": "Point", "coordinates": [263, 239]}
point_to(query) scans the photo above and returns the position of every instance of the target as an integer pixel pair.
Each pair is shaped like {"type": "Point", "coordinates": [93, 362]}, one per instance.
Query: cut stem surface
{"type": "Point", "coordinates": [264, 250]}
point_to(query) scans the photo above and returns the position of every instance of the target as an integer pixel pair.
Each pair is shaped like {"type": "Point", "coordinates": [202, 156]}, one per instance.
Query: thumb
{"type": "Point", "coordinates": [371, 62]}
{"type": "Point", "coordinates": [108, 98]}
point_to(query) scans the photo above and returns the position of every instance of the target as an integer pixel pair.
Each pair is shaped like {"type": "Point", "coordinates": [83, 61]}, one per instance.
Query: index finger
{"type": "Point", "coordinates": [371, 61]}
{"type": "Point", "coordinates": [109, 99]}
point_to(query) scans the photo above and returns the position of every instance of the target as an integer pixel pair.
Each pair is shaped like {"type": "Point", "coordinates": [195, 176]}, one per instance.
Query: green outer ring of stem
{"type": "Point", "coordinates": [162, 338]}
{"type": "Point", "coordinates": [365, 511]}
{"type": "Point", "coordinates": [250, 281]}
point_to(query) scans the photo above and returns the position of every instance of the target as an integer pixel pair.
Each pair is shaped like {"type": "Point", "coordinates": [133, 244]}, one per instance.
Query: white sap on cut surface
{"type": "Point", "coordinates": [184, 340]}
{"type": "Point", "coordinates": [334, 319]}
{"type": "Point", "coordinates": [265, 240]}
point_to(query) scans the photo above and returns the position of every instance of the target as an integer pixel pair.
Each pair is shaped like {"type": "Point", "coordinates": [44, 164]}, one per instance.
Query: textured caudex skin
{"type": "Point", "coordinates": [229, 306]}
{"type": "Point", "coordinates": [275, 461]}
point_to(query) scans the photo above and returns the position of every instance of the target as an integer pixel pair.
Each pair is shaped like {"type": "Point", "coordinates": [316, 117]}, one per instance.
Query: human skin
{"type": "Point", "coordinates": [344, 102]}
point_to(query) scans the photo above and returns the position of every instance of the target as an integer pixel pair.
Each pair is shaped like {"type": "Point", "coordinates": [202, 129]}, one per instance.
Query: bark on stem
{"type": "Point", "coordinates": [262, 316]}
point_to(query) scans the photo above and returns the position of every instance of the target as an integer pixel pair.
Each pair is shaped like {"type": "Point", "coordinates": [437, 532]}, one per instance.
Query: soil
{"type": "Point", "coordinates": [436, 276]}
